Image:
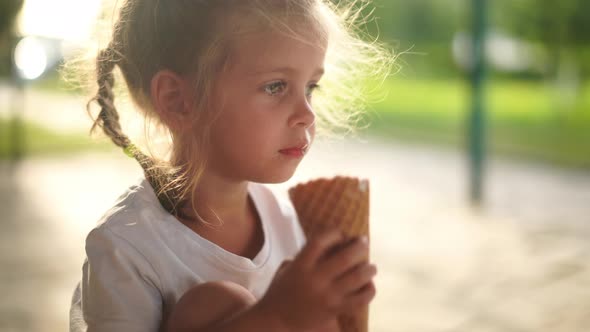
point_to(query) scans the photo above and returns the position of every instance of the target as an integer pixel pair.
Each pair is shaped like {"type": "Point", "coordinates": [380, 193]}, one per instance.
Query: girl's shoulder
{"type": "Point", "coordinates": [135, 204]}
{"type": "Point", "coordinates": [134, 218]}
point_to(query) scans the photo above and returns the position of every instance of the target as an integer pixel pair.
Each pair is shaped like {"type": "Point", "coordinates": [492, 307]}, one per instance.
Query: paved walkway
{"type": "Point", "coordinates": [519, 264]}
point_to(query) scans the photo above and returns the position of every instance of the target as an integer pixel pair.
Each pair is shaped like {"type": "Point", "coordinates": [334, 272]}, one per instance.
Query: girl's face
{"type": "Point", "coordinates": [265, 102]}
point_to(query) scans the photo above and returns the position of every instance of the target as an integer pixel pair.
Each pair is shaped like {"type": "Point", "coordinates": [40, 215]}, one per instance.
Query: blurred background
{"type": "Point", "coordinates": [478, 155]}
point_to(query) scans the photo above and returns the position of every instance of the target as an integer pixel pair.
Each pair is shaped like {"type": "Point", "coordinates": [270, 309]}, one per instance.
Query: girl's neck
{"type": "Point", "coordinates": [241, 232]}
{"type": "Point", "coordinates": [217, 197]}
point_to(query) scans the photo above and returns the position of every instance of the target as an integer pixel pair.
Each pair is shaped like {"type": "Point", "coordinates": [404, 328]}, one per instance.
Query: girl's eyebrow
{"type": "Point", "coordinates": [283, 70]}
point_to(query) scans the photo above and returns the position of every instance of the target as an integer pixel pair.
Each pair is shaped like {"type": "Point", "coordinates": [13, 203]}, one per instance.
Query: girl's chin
{"type": "Point", "coordinates": [276, 177]}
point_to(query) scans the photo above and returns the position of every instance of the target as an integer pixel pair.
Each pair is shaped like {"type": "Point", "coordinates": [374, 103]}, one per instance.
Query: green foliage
{"type": "Point", "coordinates": [563, 22]}
{"type": "Point", "coordinates": [8, 11]}
{"type": "Point", "coordinates": [561, 27]}
{"type": "Point", "coordinates": [426, 29]}
{"type": "Point", "coordinates": [418, 20]}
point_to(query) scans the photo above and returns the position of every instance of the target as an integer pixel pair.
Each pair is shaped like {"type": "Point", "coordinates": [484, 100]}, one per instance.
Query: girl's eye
{"type": "Point", "coordinates": [311, 88]}
{"type": "Point", "coordinates": [275, 88]}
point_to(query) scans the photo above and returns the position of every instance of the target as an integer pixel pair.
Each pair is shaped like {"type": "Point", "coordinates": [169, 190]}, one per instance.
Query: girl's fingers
{"type": "Point", "coordinates": [318, 245]}
{"type": "Point", "coordinates": [355, 278]}
{"type": "Point", "coordinates": [345, 258]}
{"type": "Point", "coordinates": [359, 298]}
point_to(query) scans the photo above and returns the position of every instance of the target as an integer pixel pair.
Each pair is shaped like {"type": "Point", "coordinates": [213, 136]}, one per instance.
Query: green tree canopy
{"type": "Point", "coordinates": [8, 11]}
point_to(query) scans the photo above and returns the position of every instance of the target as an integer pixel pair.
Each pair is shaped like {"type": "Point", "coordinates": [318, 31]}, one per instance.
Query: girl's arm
{"type": "Point", "coordinates": [254, 319]}
{"type": "Point", "coordinates": [221, 306]}
{"type": "Point", "coordinates": [118, 289]}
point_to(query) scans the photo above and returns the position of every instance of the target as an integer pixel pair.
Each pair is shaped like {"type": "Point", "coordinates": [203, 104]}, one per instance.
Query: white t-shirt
{"type": "Point", "coordinates": [141, 260]}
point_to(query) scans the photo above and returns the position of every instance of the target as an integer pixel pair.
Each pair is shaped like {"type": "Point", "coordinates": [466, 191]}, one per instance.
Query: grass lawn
{"type": "Point", "coordinates": [41, 141]}
{"type": "Point", "coordinates": [524, 118]}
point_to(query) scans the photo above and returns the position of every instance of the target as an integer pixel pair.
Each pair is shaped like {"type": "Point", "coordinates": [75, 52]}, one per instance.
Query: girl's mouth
{"type": "Point", "coordinates": [293, 152]}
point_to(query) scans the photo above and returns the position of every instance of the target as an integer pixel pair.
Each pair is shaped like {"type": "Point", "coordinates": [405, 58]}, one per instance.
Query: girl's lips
{"type": "Point", "coordinates": [293, 152]}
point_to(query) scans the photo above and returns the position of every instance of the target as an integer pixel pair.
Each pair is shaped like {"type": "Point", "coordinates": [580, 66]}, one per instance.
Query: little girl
{"type": "Point", "coordinates": [199, 243]}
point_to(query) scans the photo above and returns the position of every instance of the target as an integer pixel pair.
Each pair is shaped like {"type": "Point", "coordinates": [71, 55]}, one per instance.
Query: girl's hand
{"type": "Point", "coordinates": [328, 277]}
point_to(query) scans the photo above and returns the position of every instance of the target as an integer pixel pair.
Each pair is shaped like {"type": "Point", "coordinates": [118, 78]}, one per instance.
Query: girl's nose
{"type": "Point", "coordinates": [303, 114]}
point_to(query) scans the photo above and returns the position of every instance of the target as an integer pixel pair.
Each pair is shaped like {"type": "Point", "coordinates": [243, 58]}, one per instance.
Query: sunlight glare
{"type": "Point", "coordinates": [70, 20]}
{"type": "Point", "coordinates": [30, 58]}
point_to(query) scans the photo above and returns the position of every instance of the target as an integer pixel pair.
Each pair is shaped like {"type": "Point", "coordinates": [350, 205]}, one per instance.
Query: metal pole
{"type": "Point", "coordinates": [477, 116]}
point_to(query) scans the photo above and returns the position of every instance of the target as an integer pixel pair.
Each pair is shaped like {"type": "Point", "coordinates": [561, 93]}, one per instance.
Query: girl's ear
{"type": "Point", "coordinates": [170, 97]}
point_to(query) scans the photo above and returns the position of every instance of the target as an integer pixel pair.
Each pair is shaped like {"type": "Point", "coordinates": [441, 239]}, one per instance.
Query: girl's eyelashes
{"type": "Point", "coordinates": [278, 88]}
{"type": "Point", "coordinates": [275, 88]}
{"type": "Point", "coordinates": [311, 88]}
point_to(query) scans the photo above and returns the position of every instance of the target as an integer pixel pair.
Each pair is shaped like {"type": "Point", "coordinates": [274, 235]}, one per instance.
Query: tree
{"type": "Point", "coordinates": [8, 12]}
{"type": "Point", "coordinates": [561, 27]}
{"type": "Point", "coordinates": [418, 20]}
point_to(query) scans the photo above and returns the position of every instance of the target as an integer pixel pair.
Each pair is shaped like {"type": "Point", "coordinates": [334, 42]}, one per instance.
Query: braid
{"type": "Point", "coordinates": [108, 120]}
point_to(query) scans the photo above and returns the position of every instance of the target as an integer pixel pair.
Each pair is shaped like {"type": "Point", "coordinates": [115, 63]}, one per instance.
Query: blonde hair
{"type": "Point", "coordinates": [192, 38]}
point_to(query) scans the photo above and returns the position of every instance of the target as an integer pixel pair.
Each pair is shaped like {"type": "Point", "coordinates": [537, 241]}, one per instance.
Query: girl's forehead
{"type": "Point", "coordinates": [247, 29]}
{"type": "Point", "coordinates": [310, 38]}
{"type": "Point", "coordinates": [271, 50]}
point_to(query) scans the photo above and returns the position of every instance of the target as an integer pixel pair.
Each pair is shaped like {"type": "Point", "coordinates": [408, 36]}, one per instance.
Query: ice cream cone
{"type": "Point", "coordinates": [340, 202]}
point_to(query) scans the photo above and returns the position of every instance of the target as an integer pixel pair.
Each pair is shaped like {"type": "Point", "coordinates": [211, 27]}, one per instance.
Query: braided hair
{"type": "Point", "coordinates": [108, 120]}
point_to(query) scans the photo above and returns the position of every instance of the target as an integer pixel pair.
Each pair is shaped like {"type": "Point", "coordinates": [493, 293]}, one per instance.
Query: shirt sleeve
{"type": "Point", "coordinates": [119, 286]}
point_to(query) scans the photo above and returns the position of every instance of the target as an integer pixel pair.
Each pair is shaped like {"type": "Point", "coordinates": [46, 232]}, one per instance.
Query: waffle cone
{"type": "Point", "coordinates": [342, 203]}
